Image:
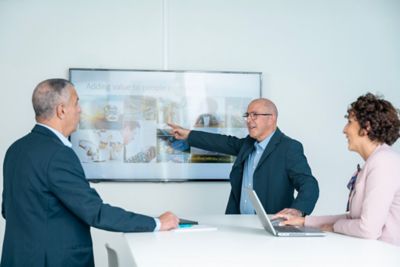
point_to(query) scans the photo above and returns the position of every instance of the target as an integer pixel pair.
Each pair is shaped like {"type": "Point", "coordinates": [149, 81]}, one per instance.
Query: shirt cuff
{"type": "Point", "coordinates": [158, 224]}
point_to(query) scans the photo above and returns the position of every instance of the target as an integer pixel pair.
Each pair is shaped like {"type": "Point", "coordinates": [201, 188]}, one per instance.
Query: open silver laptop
{"type": "Point", "coordinates": [277, 230]}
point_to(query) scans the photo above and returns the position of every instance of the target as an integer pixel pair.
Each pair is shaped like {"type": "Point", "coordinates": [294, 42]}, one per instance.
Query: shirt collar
{"type": "Point", "coordinates": [263, 144]}
{"type": "Point", "coordinates": [60, 136]}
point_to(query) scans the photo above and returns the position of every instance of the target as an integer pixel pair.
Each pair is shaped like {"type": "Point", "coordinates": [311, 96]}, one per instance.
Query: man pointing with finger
{"type": "Point", "coordinates": [266, 160]}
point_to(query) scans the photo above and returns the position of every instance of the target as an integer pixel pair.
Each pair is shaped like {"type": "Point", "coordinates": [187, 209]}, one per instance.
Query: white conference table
{"type": "Point", "coordinates": [240, 240]}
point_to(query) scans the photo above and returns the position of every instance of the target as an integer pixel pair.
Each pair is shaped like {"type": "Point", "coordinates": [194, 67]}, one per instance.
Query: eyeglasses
{"type": "Point", "coordinates": [254, 115]}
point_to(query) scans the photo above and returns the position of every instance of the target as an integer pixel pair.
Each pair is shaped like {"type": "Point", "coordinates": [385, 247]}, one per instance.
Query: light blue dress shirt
{"type": "Point", "coordinates": [250, 165]}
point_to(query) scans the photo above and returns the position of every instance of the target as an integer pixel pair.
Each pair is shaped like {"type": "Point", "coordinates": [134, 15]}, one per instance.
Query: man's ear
{"type": "Point", "coordinates": [60, 112]}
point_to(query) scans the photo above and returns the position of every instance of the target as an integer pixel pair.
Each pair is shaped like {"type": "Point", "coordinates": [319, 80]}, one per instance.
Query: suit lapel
{"type": "Point", "coordinates": [236, 181]}
{"type": "Point", "coordinates": [247, 152]}
{"type": "Point", "coordinates": [247, 148]}
{"type": "Point", "coordinates": [276, 138]}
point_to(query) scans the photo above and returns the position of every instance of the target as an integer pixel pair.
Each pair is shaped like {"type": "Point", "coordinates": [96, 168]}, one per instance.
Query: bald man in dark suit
{"type": "Point", "coordinates": [267, 160]}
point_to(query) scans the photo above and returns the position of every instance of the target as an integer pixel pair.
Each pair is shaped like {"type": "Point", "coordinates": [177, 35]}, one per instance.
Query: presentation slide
{"type": "Point", "coordinates": [123, 132]}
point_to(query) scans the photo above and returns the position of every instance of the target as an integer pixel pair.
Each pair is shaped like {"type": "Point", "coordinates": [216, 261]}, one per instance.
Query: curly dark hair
{"type": "Point", "coordinates": [377, 116]}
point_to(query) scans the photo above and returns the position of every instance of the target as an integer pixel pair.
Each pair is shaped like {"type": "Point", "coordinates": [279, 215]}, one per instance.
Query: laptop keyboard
{"type": "Point", "coordinates": [287, 229]}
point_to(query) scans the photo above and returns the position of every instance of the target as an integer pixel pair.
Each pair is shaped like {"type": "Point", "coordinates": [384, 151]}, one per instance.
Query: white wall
{"type": "Point", "coordinates": [316, 57]}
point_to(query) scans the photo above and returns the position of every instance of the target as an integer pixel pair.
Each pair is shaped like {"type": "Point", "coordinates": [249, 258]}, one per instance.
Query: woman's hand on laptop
{"type": "Point", "coordinates": [327, 228]}
{"type": "Point", "coordinates": [292, 220]}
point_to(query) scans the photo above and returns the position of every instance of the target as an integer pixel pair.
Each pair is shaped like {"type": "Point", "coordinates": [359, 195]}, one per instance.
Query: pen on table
{"type": "Point", "coordinates": [185, 225]}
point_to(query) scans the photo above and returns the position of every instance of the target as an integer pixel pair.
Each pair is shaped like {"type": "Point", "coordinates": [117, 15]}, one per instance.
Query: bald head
{"type": "Point", "coordinates": [261, 118]}
{"type": "Point", "coordinates": [268, 104]}
{"type": "Point", "coordinates": [47, 95]}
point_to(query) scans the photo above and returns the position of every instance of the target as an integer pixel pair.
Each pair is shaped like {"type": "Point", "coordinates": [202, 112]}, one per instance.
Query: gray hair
{"type": "Point", "coordinates": [47, 95]}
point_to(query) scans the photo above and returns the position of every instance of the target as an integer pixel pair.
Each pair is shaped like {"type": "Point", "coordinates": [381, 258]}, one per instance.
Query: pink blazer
{"type": "Point", "coordinates": [375, 202]}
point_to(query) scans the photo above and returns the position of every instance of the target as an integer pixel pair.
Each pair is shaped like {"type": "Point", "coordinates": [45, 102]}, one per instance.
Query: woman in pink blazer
{"type": "Point", "coordinates": [374, 200]}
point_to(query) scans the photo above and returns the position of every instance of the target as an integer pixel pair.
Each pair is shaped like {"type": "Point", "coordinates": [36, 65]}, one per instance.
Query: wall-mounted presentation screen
{"type": "Point", "coordinates": [123, 132]}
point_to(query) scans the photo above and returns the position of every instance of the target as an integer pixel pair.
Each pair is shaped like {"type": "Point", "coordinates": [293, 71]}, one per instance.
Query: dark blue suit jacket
{"type": "Point", "coordinates": [49, 206]}
{"type": "Point", "coordinates": [282, 168]}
